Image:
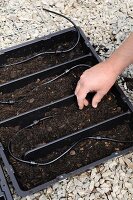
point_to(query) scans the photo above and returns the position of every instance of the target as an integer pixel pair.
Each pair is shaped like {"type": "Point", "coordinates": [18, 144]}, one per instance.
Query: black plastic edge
{"type": "Point", "coordinates": [4, 189]}
{"type": "Point", "coordinates": [89, 45]}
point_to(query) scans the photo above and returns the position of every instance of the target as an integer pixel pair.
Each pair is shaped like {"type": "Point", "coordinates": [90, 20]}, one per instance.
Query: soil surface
{"type": "Point", "coordinates": [44, 61]}
{"type": "Point", "coordinates": [63, 121]}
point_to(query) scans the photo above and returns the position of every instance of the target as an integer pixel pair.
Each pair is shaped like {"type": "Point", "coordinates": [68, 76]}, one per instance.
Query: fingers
{"type": "Point", "coordinates": [81, 95]}
{"type": "Point", "coordinates": [97, 98]}
{"type": "Point", "coordinates": [86, 102]}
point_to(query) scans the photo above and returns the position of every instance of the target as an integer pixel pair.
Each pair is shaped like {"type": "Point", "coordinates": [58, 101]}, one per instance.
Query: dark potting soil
{"type": "Point", "coordinates": [84, 153]}
{"type": "Point", "coordinates": [41, 62]}
{"type": "Point", "coordinates": [36, 94]}
{"type": "Point", "coordinates": [63, 121]}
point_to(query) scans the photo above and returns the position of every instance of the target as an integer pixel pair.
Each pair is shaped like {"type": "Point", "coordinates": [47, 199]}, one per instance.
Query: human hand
{"type": "Point", "coordinates": [99, 79]}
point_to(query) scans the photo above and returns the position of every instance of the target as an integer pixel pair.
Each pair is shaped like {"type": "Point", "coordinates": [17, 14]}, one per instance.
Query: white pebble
{"type": "Point", "coordinates": [92, 185]}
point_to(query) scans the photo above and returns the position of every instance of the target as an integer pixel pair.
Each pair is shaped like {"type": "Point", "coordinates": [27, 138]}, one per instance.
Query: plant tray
{"type": "Point", "coordinates": [52, 113]}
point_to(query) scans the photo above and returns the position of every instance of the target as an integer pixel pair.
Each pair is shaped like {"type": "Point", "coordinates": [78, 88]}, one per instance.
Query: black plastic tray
{"type": "Point", "coordinates": [5, 193]}
{"type": "Point", "coordinates": [28, 117]}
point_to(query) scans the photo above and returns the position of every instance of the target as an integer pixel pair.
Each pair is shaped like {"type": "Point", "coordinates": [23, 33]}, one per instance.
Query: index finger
{"type": "Point", "coordinates": [81, 96]}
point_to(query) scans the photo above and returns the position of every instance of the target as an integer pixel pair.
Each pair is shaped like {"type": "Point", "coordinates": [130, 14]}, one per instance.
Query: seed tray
{"type": "Point", "coordinates": [5, 193]}
{"type": "Point", "coordinates": [116, 115]}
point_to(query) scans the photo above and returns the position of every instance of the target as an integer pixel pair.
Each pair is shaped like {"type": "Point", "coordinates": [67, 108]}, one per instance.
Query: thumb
{"type": "Point", "coordinates": [97, 98]}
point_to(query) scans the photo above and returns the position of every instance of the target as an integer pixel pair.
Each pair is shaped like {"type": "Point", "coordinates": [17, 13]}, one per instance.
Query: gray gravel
{"type": "Point", "coordinates": [107, 23]}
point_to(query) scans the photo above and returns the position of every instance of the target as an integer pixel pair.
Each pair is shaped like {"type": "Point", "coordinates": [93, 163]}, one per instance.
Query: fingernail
{"type": "Point", "coordinates": [95, 106]}
{"type": "Point", "coordinates": [80, 108]}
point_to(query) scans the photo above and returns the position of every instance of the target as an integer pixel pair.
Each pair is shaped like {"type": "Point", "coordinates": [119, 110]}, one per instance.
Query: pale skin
{"type": "Point", "coordinates": [101, 77]}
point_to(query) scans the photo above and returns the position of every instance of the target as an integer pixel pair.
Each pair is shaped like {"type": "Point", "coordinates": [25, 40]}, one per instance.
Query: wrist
{"type": "Point", "coordinates": [116, 65]}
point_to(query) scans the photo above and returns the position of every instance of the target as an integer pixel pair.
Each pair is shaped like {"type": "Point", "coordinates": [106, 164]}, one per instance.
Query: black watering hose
{"type": "Point", "coordinates": [50, 52]}
{"type": "Point", "coordinates": [65, 72]}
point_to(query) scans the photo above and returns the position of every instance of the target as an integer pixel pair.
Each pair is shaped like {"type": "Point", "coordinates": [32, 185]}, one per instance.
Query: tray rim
{"type": "Point", "coordinates": [4, 189]}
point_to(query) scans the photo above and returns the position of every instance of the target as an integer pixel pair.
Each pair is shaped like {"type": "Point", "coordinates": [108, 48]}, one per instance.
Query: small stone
{"type": "Point", "coordinates": [80, 191]}
{"type": "Point", "coordinates": [125, 86]}
{"type": "Point", "coordinates": [119, 196]}
{"type": "Point", "coordinates": [102, 181]}
{"type": "Point", "coordinates": [17, 128]}
{"type": "Point", "coordinates": [97, 184]}
{"type": "Point", "coordinates": [49, 129]}
{"type": "Point", "coordinates": [99, 190]}
{"type": "Point", "coordinates": [106, 174]}
{"type": "Point", "coordinates": [129, 163]}
{"type": "Point", "coordinates": [109, 98]}
{"type": "Point", "coordinates": [123, 191]}
{"type": "Point", "coordinates": [38, 80]}
{"type": "Point", "coordinates": [91, 185]}
{"type": "Point", "coordinates": [131, 94]}
{"type": "Point", "coordinates": [42, 197]}
{"type": "Point", "coordinates": [37, 194]}
{"type": "Point", "coordinates": [97, 177]}
{"type": "Point", "coordinates": [77, 183]}
{"type": "Point", "coordinates": [118, 109]}
{"type": "Point", "coordinates": [110, 197]}
{"type": "Point", "coordinates": [28, 198]}
{"type": "Point", "coordinates": [13, 74]}
{"type": "Point", "coordinates": [31, 100]}
{"type": "Point", "coordinates": [92, 196]}
{"type": "Point", "coordinates": [117, 149]}
{"type": "Point", "coordinates": [49, 190]}
{"type": "Point", "coordinates": [105, 185]}
{"type": "Point", "coordinates": [72, 153]}
{"type": "Point", "coordinates": [128, 185]}
{"type": "Point", "coordinates": [115, 188]}
{"type": "Point", "coordinates": [113, 194]}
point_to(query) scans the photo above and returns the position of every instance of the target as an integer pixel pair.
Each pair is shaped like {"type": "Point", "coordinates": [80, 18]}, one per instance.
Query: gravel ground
{"type": "Point", "coordinates": [107, 23]}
